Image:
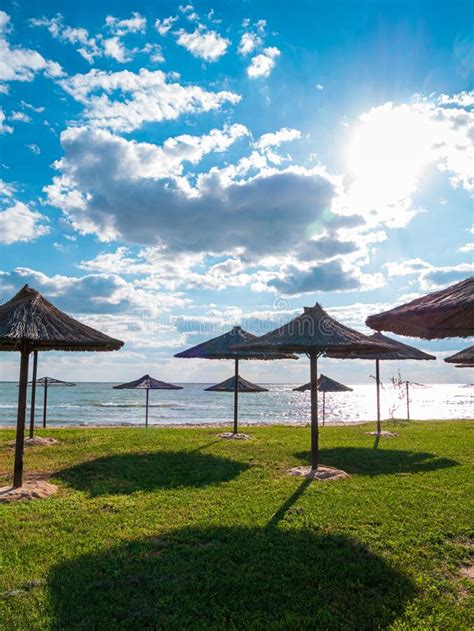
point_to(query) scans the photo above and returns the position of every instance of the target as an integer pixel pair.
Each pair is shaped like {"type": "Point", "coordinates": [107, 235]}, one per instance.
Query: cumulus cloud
{"type": "Point", "coordinates": [118, 194]}
{"type": "Point", "coordinates": [205, 44]}
{"type": "Point", "coordinates": [329, 276]}
{"type": "Point", "coordinates": [124, 101]}
{"type": "Point", "coordinates": [429, 276]}
{"type": "Point", "coordinates": [248, 43]}
{"type": "Point", "coordinates": [114, 48]}
{"type": "Point", "coordinates": [22, 64]}
{"type": "Point", "coordinates": [262, 64]}
{"type": "Point", "coordinates": [92, 293]}
{"type": "Point", "coordinates": [20, 223]}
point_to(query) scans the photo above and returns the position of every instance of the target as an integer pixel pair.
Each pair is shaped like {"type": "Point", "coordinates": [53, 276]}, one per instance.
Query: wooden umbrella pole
{"type": "Point", "coordinates": [408, 400]}
{"type": "Point", "coordinates": [146, 412]}
{"type": "Point", "coordinates": [377, 381]}
{"type": "Point", "coordinates": [45, 402]}
{"type": "Point", "coordinates": [324, 407]}
{"type": "Point", "coordinates": [20, 424]}
{"type": "Point", "coordinates": [314, 410]}
{"type": "Point", "coordinates": [236, 397]}
{"type": "Point", "coordinates": [33, 394]}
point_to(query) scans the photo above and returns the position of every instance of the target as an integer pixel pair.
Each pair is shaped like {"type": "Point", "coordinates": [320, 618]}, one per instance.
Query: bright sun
{"type": "Point", "coordinates": [386, 155]}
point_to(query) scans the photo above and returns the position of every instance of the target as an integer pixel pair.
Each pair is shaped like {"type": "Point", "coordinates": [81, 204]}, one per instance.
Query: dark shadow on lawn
{"type": "Point", "coordinates": [229, 578]}
{"type": "Point", "coordinates": [129, 472]}
{"type": "Point", "coordinates": [369, 461]}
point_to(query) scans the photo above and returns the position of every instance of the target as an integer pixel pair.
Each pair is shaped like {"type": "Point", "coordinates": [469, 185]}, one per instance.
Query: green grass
{"type": "Point", "coordinates": [177, 529]}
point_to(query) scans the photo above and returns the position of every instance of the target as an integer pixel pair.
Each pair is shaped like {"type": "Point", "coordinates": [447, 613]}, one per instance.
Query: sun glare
{"type": "Point", "coordinates": [386, 155]}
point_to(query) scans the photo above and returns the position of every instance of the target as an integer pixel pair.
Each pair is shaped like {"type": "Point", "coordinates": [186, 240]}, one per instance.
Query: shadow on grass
{"type": "Point", "coordinates": [370, 461]}
{"type": "Point", "coordinates": [229, 578]}
{"type": "Point", "coordinates": [126, 473]}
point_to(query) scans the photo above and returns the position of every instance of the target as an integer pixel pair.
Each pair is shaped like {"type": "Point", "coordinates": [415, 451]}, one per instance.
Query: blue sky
{"type": "Point", "coordinates": [167, 170]}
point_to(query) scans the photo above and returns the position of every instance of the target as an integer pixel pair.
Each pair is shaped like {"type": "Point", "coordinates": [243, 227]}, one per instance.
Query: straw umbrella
{"type": "Point", "coordinates": [398, 351]}
{"type": "Point", "coordinates": [325, 384]}
{"type": "Point", "coordinates": [445, 313]}
{"type": "Point", "coordinates": [242, 386]}
{"type": "Point", "coordinates": [463, 359]}
{"type": "Point", "coordinates": [28, 323]}
{"type": "Point", "coordinates": [314, 333]}
{"type": "Point", "coordinates": [45, 382]}
{"type": "Point", "coordinates": [222, 347]}
{"type": "Point", "coordinates": [147, 383]}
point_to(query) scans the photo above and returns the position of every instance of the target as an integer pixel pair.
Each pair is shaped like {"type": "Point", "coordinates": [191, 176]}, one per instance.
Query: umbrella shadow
{"type": "Point", "coordinates": [130, 472]}
{"type": "Point", "coordinates": [255, 578]}
{"type": "Point", "coordinates": [370, 461]}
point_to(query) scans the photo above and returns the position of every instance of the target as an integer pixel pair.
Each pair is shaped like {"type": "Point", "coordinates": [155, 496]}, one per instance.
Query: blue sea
{"type": "Point", "coordinates": [99, 404]}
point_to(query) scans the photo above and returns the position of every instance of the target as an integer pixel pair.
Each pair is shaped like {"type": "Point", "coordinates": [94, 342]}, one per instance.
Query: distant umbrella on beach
{"type": "Point", "coordinates": [28, 324]}
{"type": "Point", "coordinates": [242, 386]}
{"type": "Point", "coordinates": [445, 313]}
{"type": "Point", "coordinates": [463, 359]}
{"type": "Point", "coordinates": [147, 383]}
{"type": "Point", "coordinates": [325, 384]}
{"type": "Point", "coordinates": [398, 352]}
{"type": "Point", "coordinates": [222, 347]}
{"type": "Point", "coordinates": [45, 382]}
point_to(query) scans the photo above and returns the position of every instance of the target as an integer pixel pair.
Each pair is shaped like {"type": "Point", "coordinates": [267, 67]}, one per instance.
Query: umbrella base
{"type": "Point", "coordinates": [238, 436]}
{"type": "Point", "coordinates": [325, 474]}
{"type": "Point", "coordinates": [383, 433]}
{"type": "Point", "coordinates": [30, 490]}
{"type": "Point", "coordinates": [39, 441]}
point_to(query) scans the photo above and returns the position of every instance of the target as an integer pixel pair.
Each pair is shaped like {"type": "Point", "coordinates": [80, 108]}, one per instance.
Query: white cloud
{"type": "Point", "coordinates": [4, 129]}
{"type": "Point", "coordinates": [207, 45]}
{"type": "Point", "coordinates": [134, 24]}
{"type": "Point", "coordinates": [89, 47]}
{"type": "Point", "coordinates": [319, 87]}
{"type": "Point", "coordinates": [262, 64]}
{"type": "Point", "coordinates": [149, 97]}
{"type": "Point", "coordinates": [7, 189]}
{"type": "Point", "coordinates": [19, 223]}
{"type": "Point", "coordinates": [155, 52]}
{"type": "Point", "coordinates": [34, 149]}
{"type": "Point", "coordinates": [114, 48]}
{"type": "Point", "coordinates": [248, 43]}
{"type": "Point", "coordinates": [429, 276]}
{"type": "Point", "coordinates": [22, 64]}
{"type": "Point", "coordinates": [20, 116]}
{"type": "Point", "coordinates": [106, 293]}
{"type": "Point", "coordinates": [164, 26]}
{"type": "Point", "coordinates": [274, 139]}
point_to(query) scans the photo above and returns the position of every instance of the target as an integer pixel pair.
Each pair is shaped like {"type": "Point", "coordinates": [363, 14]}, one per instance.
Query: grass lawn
{"type": "Point", "coordinates": [178, 529]}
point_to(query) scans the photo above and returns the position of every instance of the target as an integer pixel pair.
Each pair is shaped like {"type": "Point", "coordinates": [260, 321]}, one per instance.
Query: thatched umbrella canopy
{"type": "Point", "coordinates": [242, 386]}
{"type": "Point", "coordinates": [314, 333]}
{"type": "Point", "coordinates": [45, 382]}
{"type": "Point", "coordinates": [445, 313]}
{"type": "Point", "coordinates": [325, 384]}
{"type": "Point", "coordinates": [29, 323]}
{"type": "Point", "coordinates": [398, 351]}
{"type": "Point", "coordinates": [223, 347]}
{"type": "Point", "coordinates": [147, 383]}
{"type": "Point", "coordinates": [463, 359]}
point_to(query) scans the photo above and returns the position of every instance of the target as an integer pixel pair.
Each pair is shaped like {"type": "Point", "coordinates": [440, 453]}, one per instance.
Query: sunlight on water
{"type": "Point", "coordinates": [98, 403]}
